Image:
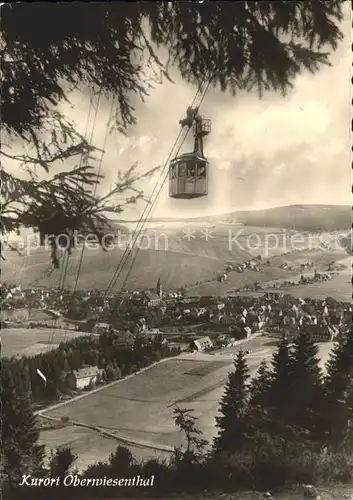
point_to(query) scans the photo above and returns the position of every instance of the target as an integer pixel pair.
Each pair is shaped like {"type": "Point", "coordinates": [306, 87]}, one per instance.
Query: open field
{"type": "Point", "coordinates": [29, 342]}
{"type": "Point", "coordinates": [150, 396]}
{"type": "Point", "coordinates": [25, 314]}
{"type": "Point", "coordinates": [140, 408]}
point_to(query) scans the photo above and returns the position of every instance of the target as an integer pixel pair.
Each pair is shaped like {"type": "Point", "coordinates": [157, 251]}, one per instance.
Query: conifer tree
{"type": "Point", "coordinates": [338, 386]}
{"type": "Point", "coordinates": [121, 461]}
{"type": "Point", "coordinates": [21, 453]}
{"type": "Point", "coordinates": [260, 386]}
{"type": "Point", "coordinates": [61, 462]}
{"type": "Point", "coordinates": [280, 386]}
{"type": "Point", "coordinates": [306, 389]}
{"type": "Point", "coordinates": [233, 406]}
{"type": "Point", "coordinates": [259, 415]}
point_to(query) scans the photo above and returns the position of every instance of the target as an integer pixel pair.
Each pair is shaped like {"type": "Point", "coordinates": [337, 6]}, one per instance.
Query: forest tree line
{"type": "Point", "coordinates": [106, 352]}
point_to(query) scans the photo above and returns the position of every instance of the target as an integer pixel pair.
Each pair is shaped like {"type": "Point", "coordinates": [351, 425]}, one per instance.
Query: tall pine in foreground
{"type": "Point", "coordinates": [21, 453]}
{"type": "Point", "coordinates": [338, 390]}
{"type": "Point", "coordinates": [306, 390]}
{"type": "Point", "coordinates": [260, 423]}
{"type": "Point", "coordinates": [280, 387]}
{"type": "Point", "coordinates": [260, 386]}
{"type": "Point", "coordinates": [232, 422]}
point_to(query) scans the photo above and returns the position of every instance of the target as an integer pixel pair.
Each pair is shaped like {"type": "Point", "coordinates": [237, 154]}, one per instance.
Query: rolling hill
{"type": "Point", "coordinates": [193, 252]}
{"type": "Point", "coordinates": [175, 269]}
{"type": "Point", "coordinates": [195, 267]}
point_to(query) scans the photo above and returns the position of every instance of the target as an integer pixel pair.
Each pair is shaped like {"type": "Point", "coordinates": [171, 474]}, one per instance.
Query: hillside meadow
{"type": "Point", "coordinates": [179, 258]}
{"type": "Point", "coordinates": [139, 408]}
{"type": "Point", "coordinates": [30, 342]}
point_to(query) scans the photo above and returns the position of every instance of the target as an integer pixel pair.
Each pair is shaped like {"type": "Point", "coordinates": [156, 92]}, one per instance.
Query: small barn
{"type": "Point", "coordinates": [201, 344]}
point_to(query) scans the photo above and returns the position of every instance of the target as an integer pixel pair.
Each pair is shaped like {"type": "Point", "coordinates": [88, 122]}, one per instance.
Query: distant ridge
{"type": "Point", "coordinates": [301, 217]}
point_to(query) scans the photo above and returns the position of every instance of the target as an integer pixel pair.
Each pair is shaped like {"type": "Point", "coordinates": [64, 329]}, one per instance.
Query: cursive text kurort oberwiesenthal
{"type": "Point", "coordinates": [77, 481]}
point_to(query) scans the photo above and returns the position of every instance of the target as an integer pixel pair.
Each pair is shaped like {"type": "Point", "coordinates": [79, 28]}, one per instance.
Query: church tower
{"type": "Point", "coordinates": [159, 288]}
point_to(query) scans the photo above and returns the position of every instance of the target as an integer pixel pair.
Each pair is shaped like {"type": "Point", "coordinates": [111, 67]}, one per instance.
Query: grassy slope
{"type": "Point", "coordinates": [175, 268]}
{"type": "Point", "coordinates": [273, 272]}
{"type": "Point", "coordinates": [28, 341]}
{"type": "Point", "coordinates": [185, 264]}
{"type": "Point", "coordinates": [180, 261]}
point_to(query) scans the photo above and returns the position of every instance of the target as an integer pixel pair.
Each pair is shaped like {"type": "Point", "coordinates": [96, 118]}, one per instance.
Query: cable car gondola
{"type": "Point", "coordinates": [188, 172]}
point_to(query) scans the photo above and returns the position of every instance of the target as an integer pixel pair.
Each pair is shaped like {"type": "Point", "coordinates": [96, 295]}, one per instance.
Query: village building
{"type": "Point", "coordinates": [326, 333]}
{"type": "Point", "coordinates": [182, 328]}
{"type": "Point", "coordinates": [153, 299]}
{"type": "Point", "coordinates": [201, 344]}
{"type": "Point", "coordinates": [85, 377]}
{"type": "Point", "coordinates": [225, 319]}
{"type": "Point", "coordinates": [100, 328]}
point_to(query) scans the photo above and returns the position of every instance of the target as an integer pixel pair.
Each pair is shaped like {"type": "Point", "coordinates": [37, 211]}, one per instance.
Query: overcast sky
{"type": "Point", "coordinates": [263, 153]}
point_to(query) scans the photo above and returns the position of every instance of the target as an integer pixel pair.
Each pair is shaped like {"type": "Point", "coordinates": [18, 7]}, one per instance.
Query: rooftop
{"type": "Point", "coordinates": [86, 372]}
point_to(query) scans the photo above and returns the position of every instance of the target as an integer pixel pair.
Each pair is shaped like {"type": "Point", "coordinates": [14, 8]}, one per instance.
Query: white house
{"type": "Point", "coordinates": [202, 343]}
{"type": "Point", "coordinates": [86, 376]}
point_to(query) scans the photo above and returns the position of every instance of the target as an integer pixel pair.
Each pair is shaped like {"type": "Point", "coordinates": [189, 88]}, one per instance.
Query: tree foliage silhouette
{"type": "Point", "coordinates": [306, 390]}
{"type": "Point", "coordinates": [20, 452]}
{"type": "Point", "coordinates": [280, 387]}
{"type": "Point", "coordinates": [260, 386]}
{"type": "Point", "coordinates": [339, 390]}
{"type": "Point", "coordinates": [48, 50]}
{"type": "Point", "coordinates": [61, 461]}
{"type": "Point", "coordinates": [232, 421]}
{"type": "Point", "coordinates": [195, 444]}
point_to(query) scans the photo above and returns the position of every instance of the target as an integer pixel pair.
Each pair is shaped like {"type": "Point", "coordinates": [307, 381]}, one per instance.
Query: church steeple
{"type": "Point", "coordinates": [159, 287]}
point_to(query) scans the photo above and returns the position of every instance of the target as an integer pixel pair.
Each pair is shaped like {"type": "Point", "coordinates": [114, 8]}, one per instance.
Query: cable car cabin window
{"type": "Point", "coordinates": [182, 170]}
{"type": "Point", "coordinates": [173, 171]}
{"type": "Point", "coordinates": [191, 171]}
{"type": "Point", "coordinates": [201, 171]}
